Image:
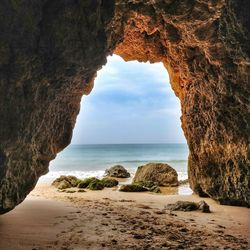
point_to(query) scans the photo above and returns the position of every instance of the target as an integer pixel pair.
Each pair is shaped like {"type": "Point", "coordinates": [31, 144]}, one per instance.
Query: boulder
{"type": "Point", "coordinates": [158, 173]}
{"type": "Point", "coordinates": [108, 182]}
{"type": "Point", "coordinates": [117, 171]}
{"type": "Point", "coordinates": [64, 181]}
{"type": "Point", "coordinates": [96, 185]}
{"type": "Point", "coordinates": [63, 185]}
{"type": "Point", "coordinates": [85, 183]}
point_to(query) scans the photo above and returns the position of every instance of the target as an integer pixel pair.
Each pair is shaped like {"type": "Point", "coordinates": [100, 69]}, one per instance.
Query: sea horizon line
{"type": "Point", "coordinates": [132, 143]}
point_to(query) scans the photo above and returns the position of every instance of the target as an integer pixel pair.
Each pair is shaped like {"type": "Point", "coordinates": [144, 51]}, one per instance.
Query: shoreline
{"type": "Point", "coordinates": [182, 189]}
{"type": "Point", "coordinates": [108, 219]}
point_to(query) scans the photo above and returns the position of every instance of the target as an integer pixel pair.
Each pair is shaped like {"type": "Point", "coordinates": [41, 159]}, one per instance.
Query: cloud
{"type": "Point", "coordinates": [130, 100]}
{"type": "Point", "coordinates": [134, 78]}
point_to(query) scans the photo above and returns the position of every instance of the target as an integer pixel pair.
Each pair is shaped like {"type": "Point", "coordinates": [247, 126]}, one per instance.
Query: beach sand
{"type": "Point", "coordinates": [110, 219]}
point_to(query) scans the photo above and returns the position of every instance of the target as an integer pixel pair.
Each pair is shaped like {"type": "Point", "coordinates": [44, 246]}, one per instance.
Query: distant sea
{"type": "Point", "coordinates": [92, 160]}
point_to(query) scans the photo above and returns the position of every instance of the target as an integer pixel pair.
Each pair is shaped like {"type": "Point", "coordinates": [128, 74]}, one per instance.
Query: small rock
{"type": "Point", "coordinates": [132, 188]}
{"type": "Point", "coordinates": [65, 182]}
{"type": "Point", "coordinates": [96, 185]}
{"type": "Point", "coordinates": [81, 191]}
{"type": "Point", "coordinates": [108, 182]}
{"type": "Point", "coordinates": [70, 191]}
{"type": "Point", "coordinates": [189, 206]}
{"type": "Point", "coordinates": [117, 171]}
{"type": "Point", "coordinates": [84, 183]}
{"type": "Point", "coordinates": [204, 207]}
{"type": "Point", "coordinates": [63, 185]}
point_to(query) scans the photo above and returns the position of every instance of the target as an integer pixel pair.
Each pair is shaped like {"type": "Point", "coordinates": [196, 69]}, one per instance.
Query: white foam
{"type": "Point", "coordinates": [85, 174]}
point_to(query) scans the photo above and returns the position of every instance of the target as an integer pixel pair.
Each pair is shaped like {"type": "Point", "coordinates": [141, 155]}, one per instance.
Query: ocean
{"type": "Point", "coordinates": [92, 160]}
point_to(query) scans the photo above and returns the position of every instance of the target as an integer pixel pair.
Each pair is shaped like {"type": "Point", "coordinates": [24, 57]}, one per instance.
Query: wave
{"type": "Point", "coordinates": [98, 174]}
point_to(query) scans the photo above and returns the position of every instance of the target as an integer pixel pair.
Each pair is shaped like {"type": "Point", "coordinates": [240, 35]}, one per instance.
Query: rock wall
{"type": "Point", "coordinates": [50, 52]}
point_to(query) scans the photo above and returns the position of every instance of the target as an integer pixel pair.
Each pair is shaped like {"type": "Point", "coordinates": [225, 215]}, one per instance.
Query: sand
{"type": "Point", "coordinates": [110, 219]}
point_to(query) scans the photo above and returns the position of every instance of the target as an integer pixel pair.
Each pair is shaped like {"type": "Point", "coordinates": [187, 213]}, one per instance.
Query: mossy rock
{"type": "Point", "coordinates": [96, 185]}
{"type": "Point", "coordinates": [84, 183]}
{"type": "Point", "coordinates": [132, 188]}
{"type": "Point", "coordinates": [63, 185]}
{"type": "Point", "coordinates": [71, 180]}
{"type": "Point", "coordinates": [108, 182]}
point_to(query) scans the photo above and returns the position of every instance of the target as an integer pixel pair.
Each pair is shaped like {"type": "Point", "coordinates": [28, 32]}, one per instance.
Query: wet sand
{"type": "Point", "coordinates": [109, 219]}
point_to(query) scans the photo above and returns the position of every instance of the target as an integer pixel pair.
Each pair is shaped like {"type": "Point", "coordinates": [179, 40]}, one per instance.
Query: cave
{"type": "Point", "coordinates": [50, 52]}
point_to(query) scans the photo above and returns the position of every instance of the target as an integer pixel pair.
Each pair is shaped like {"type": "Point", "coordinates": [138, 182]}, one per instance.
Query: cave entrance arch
{"type": "Point", "coordinates": [131, 103]}
{"type": "Point", "coordinates": [51, 51]}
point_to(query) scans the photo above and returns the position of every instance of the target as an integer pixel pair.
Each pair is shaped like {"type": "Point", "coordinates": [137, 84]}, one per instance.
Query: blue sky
{"type": "Point", "coordinates": [131, 102]}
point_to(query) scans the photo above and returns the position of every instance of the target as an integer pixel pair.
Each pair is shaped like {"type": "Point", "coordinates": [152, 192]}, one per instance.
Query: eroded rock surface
{"type": "Point", "coordinates": [159, 173]}
{"type": "Point", "coordinates": [189, 206]}
{"type": "Point", "coordinates": [50, 52]}
{"type": "Point", "coordinates": [117, 171]}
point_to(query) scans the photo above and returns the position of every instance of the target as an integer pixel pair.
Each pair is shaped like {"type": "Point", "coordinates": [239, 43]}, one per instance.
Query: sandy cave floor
{"type": "Point", "coordinates": [109, 219]}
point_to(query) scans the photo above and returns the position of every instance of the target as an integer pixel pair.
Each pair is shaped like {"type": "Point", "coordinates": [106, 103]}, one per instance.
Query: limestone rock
{"type": "Point", "coordinates": [63, 185]}
{"type": "Point", "coordinates": [85, 183]}
{"type": "Point", "coordinates": [50, 52]}
{"type": "Point", "coordinates": [158, 173]}
{"type": "Point", "coordinates": [117, 171]}
{"type": "Point", "coordinates": [65, 181]}
{"type": "Point", "coordinates": [189, 206]}
{"type": "Point", "coordinates": [108, 182]}
{"type": "Point", "coordinates": [96, 185]}
{"type": "Point", "coordinates": [204, 207]}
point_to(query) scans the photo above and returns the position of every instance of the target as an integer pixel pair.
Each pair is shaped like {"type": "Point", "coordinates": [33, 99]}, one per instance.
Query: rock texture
{"type": "Point", "coordinates": [64, 182]}
{"type": "Point", "coordinates": [189, 206]}
{"type": "Point", "coordinates": [50, 52]}
{"type": "Point", "coordinates": [158, 173]}
{"type": "Point", "coordinates": [132, 188]}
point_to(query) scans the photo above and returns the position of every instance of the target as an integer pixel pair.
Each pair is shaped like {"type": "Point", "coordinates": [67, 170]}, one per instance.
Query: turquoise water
{"type": "Point", "coordinates": [92, 160]}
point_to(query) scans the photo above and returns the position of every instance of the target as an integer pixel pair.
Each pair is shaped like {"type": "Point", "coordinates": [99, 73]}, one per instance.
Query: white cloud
{"type": "Point", "coordinates": [133, 99]}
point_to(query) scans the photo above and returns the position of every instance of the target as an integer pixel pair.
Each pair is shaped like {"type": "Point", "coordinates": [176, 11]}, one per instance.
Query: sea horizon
{"type": "Point", "coordinates": [130, 143]}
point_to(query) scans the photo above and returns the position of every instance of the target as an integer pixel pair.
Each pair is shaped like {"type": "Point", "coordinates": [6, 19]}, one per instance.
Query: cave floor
{"type": "Point", "coordinates": [109, 219]}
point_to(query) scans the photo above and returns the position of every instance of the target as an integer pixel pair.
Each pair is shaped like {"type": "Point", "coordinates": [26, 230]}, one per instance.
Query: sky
{"type": "Point", "coordinates": [131, 102]}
